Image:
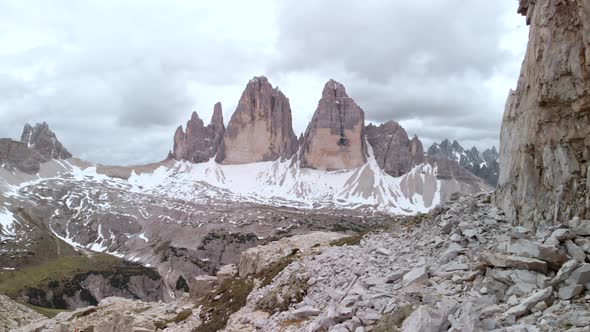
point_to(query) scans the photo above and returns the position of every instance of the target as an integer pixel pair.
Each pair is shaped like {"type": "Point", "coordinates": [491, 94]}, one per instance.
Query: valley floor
{"type": "Point", "coordinates": [462, 267]}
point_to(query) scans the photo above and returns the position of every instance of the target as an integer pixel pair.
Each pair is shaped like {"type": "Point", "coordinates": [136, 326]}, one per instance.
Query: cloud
{"type": "Point", "coordinates": [115, 78]}
{"type": "Point", "coordinates": [441, 62]}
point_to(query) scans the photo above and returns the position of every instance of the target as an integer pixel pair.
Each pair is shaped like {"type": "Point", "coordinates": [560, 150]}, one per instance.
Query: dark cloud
{"type": "Point", "coordinates": [114, 78]}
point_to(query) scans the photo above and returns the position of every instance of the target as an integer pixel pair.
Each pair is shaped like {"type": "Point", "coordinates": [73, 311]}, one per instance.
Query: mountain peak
{"type": "Point", "coordinates": [260, 129]}
{"type": "Point", "coordinates": [335, 138]}
{"type": "Point", "coordinates": [41, 139]}
{"type": "Point", "coordinates": [198, 143]}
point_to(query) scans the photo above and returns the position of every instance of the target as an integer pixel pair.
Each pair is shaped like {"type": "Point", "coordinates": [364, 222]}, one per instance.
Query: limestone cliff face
{"type": "Point", "coordinates": [261, 127]}
{"type": "Point", "coordinates": [335, 137]}
{"type": "Point", "coordinates": [199, 143]}
{"type": "Point", "coordinates": [545, 137]}
{"type": "Point", "coordinates": [395, 153]}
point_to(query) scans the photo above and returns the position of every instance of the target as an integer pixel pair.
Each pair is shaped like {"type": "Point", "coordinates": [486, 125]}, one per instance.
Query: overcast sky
{"type": "Point", "coordinates": [114, 78]}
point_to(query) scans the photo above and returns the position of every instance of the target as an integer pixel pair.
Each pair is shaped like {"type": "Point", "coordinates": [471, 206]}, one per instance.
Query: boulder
{"type": "Point", "coordinates": [201, 286]}
{"type": "Point", "coordinates": [579, 276]}
{"type": "Point", "coordinates": [305, 312]}
{"type": "Point", "coordinates": [335, 137]}
{"type": "Point", "coordinates": [423, 319]}
{"type": "Point", "coordinates": [580, 227]}
{"type": "Point", "coordinates": [574, 251]}
{"type": "Point", "coordinates": [515, 262]}
{"type": "Point", "coordinates": [564, 272]}
{"type": "Point", "coordinates": [527, 304]}
{"type": "Point", "coordinates": [527, 248]}
{"type": "Point", "coordinates": [416, 276]}
{"type": "Point", "coordinates": [225, 272]}
{"type": "Point", "coordinates": [568, 292]}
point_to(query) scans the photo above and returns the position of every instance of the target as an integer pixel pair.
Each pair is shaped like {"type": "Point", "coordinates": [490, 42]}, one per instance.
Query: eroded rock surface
{"type": "Point", "coordinates": [545, 137]}
{"type": "Point", "coordinates": [335, 137]}
{"type": "Point", "coordinates": [261, 127]}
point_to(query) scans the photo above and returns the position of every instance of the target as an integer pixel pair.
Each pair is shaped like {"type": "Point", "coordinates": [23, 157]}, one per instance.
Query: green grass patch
{"type": "Point", "coordinates": [47, 312]}
{"type": "Point", "coordinates": [349, 240]}
{"type": "Point", "coordinates": [232, 294]}
{"type": "Point", "coordinates": [59, 269]}
{"type": "Point", "coordinates": [48, 284]}
{"type": "Point", "coordinates": [220, 304]}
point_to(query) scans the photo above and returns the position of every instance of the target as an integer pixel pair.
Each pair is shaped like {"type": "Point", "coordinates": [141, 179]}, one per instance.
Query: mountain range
{"type": "Point", "coordinates": [221, 190]}
{"type": "Point", "coordinates": [248, 228]}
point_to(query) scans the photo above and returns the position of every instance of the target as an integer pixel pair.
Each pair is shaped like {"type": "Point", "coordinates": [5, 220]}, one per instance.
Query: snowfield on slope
{"type": "Point", "coordinates": [281, 183]}
{"type": "Point", "coordinates": [275, 183]}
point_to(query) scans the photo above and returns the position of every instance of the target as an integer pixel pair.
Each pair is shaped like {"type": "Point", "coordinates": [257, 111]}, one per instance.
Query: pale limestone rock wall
{"type": "Point", "coordinates": [545, 137]}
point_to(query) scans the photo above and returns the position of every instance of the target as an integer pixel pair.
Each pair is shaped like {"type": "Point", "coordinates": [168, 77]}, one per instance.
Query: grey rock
{"type": "Point", "coordinates": [383, 251]}
{"type": "Point", "coordinates": [516, 262]}
{"type": "Point", "coordinates": [305, 312]}
{"type": "Point", "coordinates": [580, 227]}
{"type": "Point", "coordinates": [526, 248]}
{"type": "Point", "coordinates": [423, 319]}
{"type": "Point", "coordinates": [568, 292]}
{"type": "Point", "coordinates": [579, 276]}
{"type": "Point", "coordinates": [527, 304]}
{"type": "Point", "coordinates": [201, 286]}
{"type": "Point", "coordinates": [416, 276]}
{"type": "Point", "coordinates": [576, 252]}
{"type": "Point", "coordinates": [564, 272]}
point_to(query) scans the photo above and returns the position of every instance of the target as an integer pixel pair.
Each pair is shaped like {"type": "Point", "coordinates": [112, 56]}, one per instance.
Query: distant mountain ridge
{"type": "Point", "coordinates": [482, 164]}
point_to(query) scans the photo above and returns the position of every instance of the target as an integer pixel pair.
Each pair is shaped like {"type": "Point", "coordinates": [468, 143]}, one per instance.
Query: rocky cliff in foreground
{"type": "Point", "coordinates": [261, 127]}
{"type": "Point", "coordinates": [545, 137]}
{"type": "Point", "coordinates": [200, 143]}
{"type": "Point", "coordinates": [335, 137]}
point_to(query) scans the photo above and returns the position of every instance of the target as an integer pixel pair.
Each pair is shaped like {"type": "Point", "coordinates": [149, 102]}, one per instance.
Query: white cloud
{"type": "Point", "coordinates": [114, 78]}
